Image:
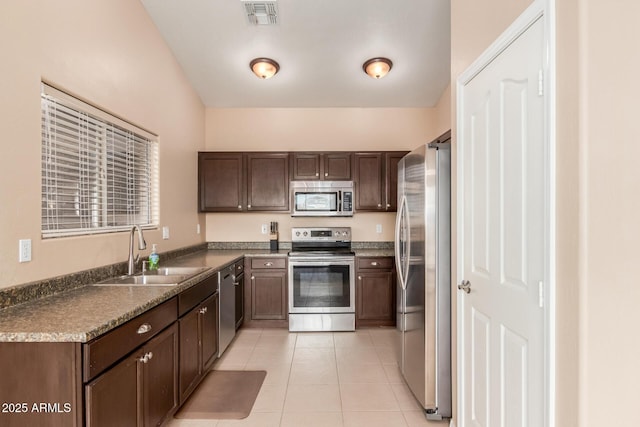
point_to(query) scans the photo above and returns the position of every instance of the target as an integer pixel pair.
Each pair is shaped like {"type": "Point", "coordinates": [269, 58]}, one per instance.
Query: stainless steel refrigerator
{"type": "Point", "coordinates": [423, 263]}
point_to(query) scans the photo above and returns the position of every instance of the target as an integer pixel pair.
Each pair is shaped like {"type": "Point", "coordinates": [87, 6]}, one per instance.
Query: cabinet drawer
{"type": "Point", "coordinates": [257, 263]}
{"type": "Point", "coordinates": [381, 263]}
{"type": "Point", "coordinates": [196, 294]}
{"type": "Point", "coordinates": [102, 352]}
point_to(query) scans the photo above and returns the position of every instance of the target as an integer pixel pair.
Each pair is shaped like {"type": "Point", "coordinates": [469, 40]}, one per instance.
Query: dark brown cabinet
{"type": "Point", "coordinates": [266, 295]}
{"type": "Point", "coordinates": [321, 166]}
{"type": "Point", "coordinates": [241, 182]}
{"type": "Point", "coordinates": [368, 168]}
{"type": "Point", "coordinates": [198, 344]}
{"type": "Point", "coordinates": [267, 181]}
{"type": "Point", "coordinates": [221, 182]}
{"type": "Point", "coordinates": [375, 291]}
{"type": "Point", "coordinates": [376, 180]}
{"type": "Point", "coordinates": [140, 390]}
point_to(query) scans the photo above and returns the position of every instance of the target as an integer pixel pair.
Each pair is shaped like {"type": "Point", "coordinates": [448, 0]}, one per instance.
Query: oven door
{"type": "Point", "coordinates": [322, 285]}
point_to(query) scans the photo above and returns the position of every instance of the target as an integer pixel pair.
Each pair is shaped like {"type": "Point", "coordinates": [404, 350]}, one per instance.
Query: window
{"type": "Point", "coordinates": [99, 173]}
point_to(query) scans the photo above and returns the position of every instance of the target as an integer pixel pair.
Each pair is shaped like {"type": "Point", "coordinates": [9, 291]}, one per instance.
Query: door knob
{"type": "Point", "coordinates": [465, 286]}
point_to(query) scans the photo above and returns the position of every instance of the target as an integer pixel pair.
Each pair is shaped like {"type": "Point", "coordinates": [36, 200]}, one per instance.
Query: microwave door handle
{"type": "Point", "coordinates": [339, 201]}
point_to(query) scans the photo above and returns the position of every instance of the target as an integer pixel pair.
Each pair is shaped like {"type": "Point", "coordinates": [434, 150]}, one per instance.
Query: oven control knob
{"type": "Point", "coordinates": [344, 233]}
{"type": "Point", "coordinates": [305, 233]}
{"type": "Point", "coordinates": [297, 233]}
{"type": "Point", "coordinates": [337, 233]}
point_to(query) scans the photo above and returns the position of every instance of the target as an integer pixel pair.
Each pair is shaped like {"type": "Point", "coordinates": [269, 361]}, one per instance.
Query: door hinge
{"type": "Point", "coordinates": [541, 294]}
{"type": "Point", "coordinates": [540, 82]}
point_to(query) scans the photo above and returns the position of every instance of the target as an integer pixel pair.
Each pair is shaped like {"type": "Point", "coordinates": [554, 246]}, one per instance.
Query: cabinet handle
{"type": "Point", "coordinates": [374, 263]}
{"type": "Point", "coordinates": [388, 205]}
{"type": "Point", "coordinates": [317, 174]}
{"type": "Point", "coordinates": [239, 206]}
{"type": "Point", "coordinates": [326, 174]}
{"type": "Point", "coordinates": [268, 264]}
{"type": "Point", "coordinates": [359, 277]}
{"type": "Point", "coordinates": [248, 206]}
{"type": "Point", "coordinates": [203, 310]}
{"type": "Point", "coordinates": [147, 356]}
{"type": "Point", "coordinates": [253, 277]}
{"type": "Point", "coordinates": [144, 328]}
{"type": "Point", "coordinates": [379, 205]}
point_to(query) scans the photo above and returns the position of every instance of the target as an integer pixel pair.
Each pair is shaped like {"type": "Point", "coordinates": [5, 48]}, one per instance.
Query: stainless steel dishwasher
{"type": "Point", "coordinates": [227, 309]}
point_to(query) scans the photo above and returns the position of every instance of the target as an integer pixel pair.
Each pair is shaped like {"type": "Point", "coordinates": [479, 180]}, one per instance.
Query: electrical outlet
{"type": "Point", "coordinates": [379, 228]}
{"type": "Point", "coordinates": [197, 228]}
{"type": "Point", "coordinates": [165, 233]}
{"type": "Point", "coordinates": [25, 250]}
{"type": "Point", "coordinates": [265, 229]}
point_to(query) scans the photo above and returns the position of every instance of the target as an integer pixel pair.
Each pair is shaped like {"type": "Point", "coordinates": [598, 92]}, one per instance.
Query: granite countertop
{"type": "Point", "coordinates": [86, 312]}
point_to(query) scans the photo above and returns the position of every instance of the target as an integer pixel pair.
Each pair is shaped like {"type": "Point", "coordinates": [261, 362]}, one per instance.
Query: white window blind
{"type": "Point", "coordinates": [99, 173]}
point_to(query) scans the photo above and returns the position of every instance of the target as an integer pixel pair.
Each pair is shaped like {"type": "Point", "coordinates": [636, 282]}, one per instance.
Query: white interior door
{"type": "Point", "coordinates": [501, 216]}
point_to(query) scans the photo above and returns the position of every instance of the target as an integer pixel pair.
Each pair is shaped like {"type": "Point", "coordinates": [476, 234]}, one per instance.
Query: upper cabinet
{"type": "Point", "coordinates": [240, 182]}
{"type": "Point", "coordinates": [321, 166]}
{"type": "Point", "coordinates": [267, 181]}
{"type": "Point", "coordinates": [376, 180]}
{"type": "Point", "coordinates": [259, 181]}
{"type": "Point", "coordinates": [221, 182]}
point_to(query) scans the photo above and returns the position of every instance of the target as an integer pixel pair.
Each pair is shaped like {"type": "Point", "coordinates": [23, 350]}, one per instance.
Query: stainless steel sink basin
{"type": "Point", "coordinates": [164, 276]}
{"type": "Point", "coordinates": [170, 271]}
{"type": "Point", "coordinates": [149, 280]}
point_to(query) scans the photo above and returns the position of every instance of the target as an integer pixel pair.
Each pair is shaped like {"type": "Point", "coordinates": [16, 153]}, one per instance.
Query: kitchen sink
{"type": "Point", "coordinates": [149, 280]}
{"type": "Point", "coordinates": [164, 276]}
{"type": "Point", "coordinates": [171, 271]}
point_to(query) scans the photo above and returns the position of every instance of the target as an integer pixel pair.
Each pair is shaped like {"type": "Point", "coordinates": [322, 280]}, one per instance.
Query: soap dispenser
{"type": "Point", "coordinates": [154, 258]}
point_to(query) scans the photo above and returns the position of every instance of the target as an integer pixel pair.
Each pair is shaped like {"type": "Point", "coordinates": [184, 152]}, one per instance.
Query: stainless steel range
{"type": "Point", "coordinates": [321, 279]}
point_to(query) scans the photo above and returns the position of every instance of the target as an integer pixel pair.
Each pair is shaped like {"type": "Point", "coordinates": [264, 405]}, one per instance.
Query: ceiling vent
{"type": "Point", "coordinates": [261, 12]}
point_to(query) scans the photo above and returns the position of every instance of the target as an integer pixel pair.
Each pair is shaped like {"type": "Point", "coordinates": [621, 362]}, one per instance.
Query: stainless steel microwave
{"type": "Point", "coordinates": [321, 198]}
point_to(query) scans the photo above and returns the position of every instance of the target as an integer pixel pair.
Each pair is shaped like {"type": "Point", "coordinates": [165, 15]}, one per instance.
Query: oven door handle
{"type": "Point", "coordinates": [322, 262]}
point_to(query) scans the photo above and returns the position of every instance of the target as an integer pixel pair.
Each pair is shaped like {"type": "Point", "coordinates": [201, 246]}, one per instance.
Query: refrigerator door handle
{"type": "Point", "coordinates": [401, 246]}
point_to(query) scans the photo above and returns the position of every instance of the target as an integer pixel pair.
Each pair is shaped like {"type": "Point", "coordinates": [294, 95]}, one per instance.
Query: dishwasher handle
{"type": "Point", "coordinates": [237, 278]}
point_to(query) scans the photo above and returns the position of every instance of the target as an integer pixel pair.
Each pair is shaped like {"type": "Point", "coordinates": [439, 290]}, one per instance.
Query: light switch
{"type": "Point", "coordinates": [165, 233]}
{"type": "Point", "coordinates": [379, 228]}
{"type": "Point", "coordinates": [25, 250]}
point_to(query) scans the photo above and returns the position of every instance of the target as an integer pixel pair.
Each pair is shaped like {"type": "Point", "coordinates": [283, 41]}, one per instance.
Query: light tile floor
{"type": "Point", "coordinates": [321, 379]}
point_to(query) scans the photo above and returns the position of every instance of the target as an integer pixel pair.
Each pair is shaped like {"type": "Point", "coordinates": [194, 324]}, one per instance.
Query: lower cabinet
{"type": "Point", "coordinates": [266, 293]}
{"type": "Point", "coordinates": [140, 390]}
{"type": "Point", "coordinates": [375, 291]}
{"type": "Point", "coordinates": [198, 344]}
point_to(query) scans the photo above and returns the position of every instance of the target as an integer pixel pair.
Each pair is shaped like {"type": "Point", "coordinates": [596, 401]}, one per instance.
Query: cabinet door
{"type": "Point", "coordinates": [268, 295]}
{"type": "Point", "coordinates": [337, 166]}
{"type": "Point", "coordinates": [306, 166]}
{"type": "Point", "coordinates": [190, 365]}
{"type": "Point", "coordinates": [112, 398]}
{"type": "Point", "coordinates": [209, 330]}
{"type": "Point", "coordinates": [160, 377]}
{"type": "Point", "coordinates": [391, 160]}
{"type": "Point", "coordinates": [369, 182]}
{"type": "Point", "coordinates": [221, 186]}
{"type": "Point", "coordinates": [268, 182]}
{"type": "Point", "coordinates": [375, 297]}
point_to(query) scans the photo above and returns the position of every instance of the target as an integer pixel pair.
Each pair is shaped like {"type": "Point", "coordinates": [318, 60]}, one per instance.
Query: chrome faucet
{"type": "Point", "coordinates": [141, 245]}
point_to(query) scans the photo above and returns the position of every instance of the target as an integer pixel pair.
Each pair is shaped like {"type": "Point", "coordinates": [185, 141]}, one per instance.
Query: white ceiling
{"type": "Point", "coordinates": [320, 46]}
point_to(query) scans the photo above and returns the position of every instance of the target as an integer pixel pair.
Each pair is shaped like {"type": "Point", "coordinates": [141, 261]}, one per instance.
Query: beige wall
{"type": "Point", "coordinates": [317, 129]}
{"type": "Point", "coordinates": [608, 138]}
{"type": "Point", "coordinates": [110, 53]}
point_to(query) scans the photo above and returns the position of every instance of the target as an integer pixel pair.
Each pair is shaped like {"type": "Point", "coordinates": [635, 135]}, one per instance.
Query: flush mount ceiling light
{"type": "Point", "coordinates": [377, 68]}
{"type": "Point", "coordinates": [264, 68]}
